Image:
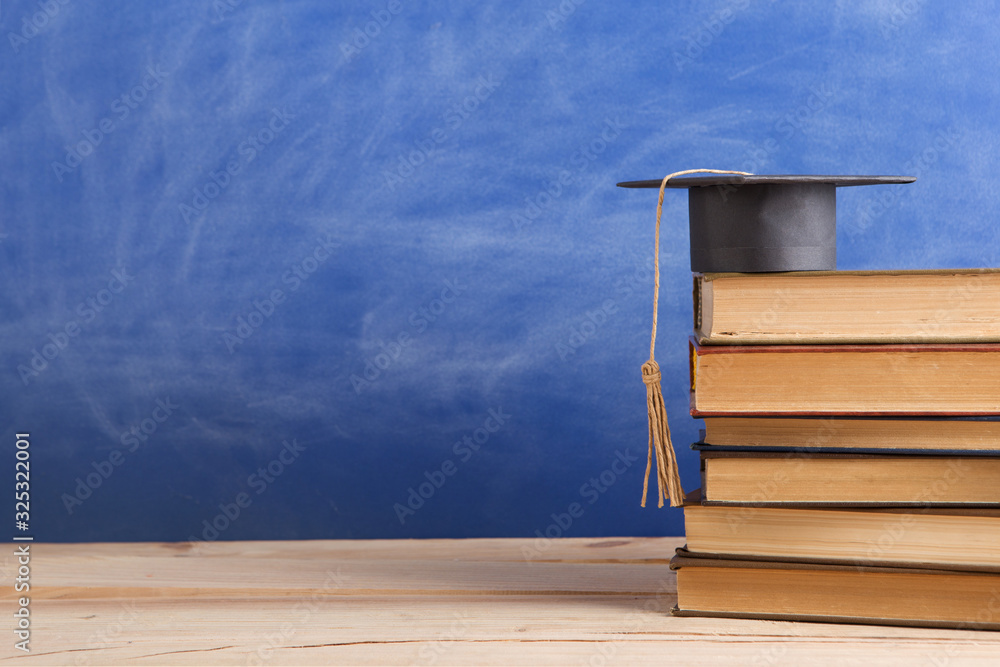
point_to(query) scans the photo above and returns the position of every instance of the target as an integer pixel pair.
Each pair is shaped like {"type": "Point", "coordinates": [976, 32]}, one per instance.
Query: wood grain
{"type": "Point", "coordinates": [433, 602]}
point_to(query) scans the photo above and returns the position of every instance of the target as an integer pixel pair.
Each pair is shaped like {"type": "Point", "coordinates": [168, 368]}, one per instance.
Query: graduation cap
{"type": "Point", "coordinates": [747, 224]}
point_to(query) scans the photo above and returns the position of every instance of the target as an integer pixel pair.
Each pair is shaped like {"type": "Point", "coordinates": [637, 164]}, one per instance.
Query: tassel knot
{"type": "Point", "coordinates": [650, 372]}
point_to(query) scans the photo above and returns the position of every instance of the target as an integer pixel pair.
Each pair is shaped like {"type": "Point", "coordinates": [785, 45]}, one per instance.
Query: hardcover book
{"type": "Point", "coordinates": [773, 478]}
{"type": "Point", "coordinates": [917, 380]}
{"type": "Point", "coordinates": [849, 536]}
{"type": "Point", "coordinates": [835, 593]}
{"type": "Point", "coordinates": [809, 307]}
{"type": "Point", "coordinates": [980, 434]}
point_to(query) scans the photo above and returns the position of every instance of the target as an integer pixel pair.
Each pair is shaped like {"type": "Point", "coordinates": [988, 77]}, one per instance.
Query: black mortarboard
{"type": "Point", "coordinates": [751, 224]}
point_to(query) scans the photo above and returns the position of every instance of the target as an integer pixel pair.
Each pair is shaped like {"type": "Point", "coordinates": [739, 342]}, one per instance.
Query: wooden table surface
{"type": "Point", "coordinates": [430, 602]}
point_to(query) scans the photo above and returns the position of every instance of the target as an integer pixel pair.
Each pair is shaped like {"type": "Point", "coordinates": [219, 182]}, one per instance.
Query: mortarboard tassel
{"type": "Point", "coordinates": [668, 478]}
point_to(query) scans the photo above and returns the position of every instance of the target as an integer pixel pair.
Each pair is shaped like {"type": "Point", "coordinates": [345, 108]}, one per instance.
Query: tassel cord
{"type": "Point", "coordinates": [668, 479]}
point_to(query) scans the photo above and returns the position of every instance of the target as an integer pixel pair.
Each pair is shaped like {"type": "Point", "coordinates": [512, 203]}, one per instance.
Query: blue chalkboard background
{"type": "Point", "coordinates": [352, 270]}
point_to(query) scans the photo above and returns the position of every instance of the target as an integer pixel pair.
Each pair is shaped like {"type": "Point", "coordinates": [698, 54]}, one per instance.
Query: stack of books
{"type": "Point", "coordinates": [851, 452]}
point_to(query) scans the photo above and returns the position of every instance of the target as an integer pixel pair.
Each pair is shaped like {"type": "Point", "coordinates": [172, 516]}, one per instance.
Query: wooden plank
{"type": "Point", "coordinates": [438, 602]}
{"type": "Point", "coordinates": [461, 630]}
{"type": "Point", "coordinates": [338, 568]}
{"type": "Point", "coordinates": [569, 549]}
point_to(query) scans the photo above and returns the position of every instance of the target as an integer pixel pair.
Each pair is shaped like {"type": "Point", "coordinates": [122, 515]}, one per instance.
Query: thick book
{"type": "Point", "coordinates": [869, 537]}
{"type": "Point", "coordinates": [834, 593]}
{"type": "Point", "coordinates": [918, 380]}
{"type": "Point", "coordinates": [795, 478]}
{"type": "Point", "coordinates": [871, 434]}
{"type": "Point", "coordinates": [808, 307]}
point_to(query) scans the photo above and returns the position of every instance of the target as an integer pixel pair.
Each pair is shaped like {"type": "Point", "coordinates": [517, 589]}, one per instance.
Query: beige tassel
{"type": "Point", "coordinates": [668, 478]}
